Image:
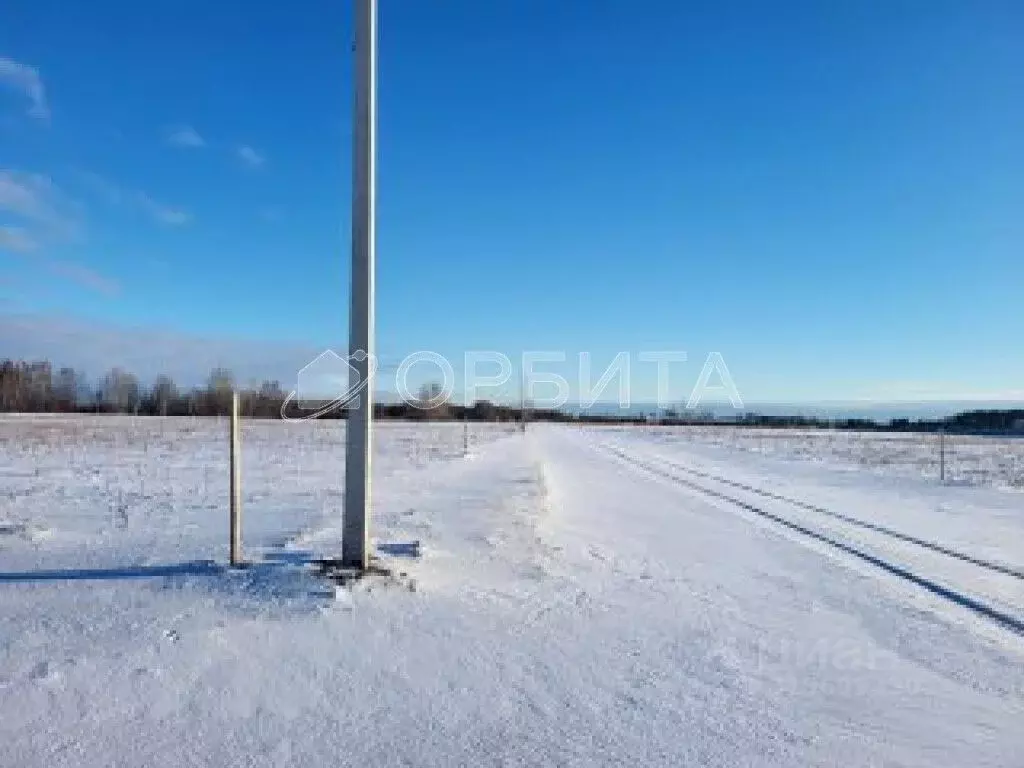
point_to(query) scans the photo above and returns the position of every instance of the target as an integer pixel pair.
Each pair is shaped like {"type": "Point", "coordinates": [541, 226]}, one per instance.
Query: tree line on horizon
{"type": "Point", "coordinates": [36, 387]}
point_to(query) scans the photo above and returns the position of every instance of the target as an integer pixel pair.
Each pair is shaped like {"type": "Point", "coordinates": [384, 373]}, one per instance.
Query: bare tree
{"type": "Point", "coordinates": [219, 386]}
{"type": "Point", "coordinates": [65, 390]}
{"type": "Point", "coordinates": [37, 386]}
{"type": "Point", "coordinates": [164, 394]}
{"type": "Point", "coordinates": [120, 391]}
{"type": "Point", "coordinates": [10, 385]}
{"type": "Point", "coordinates": [432, 402]}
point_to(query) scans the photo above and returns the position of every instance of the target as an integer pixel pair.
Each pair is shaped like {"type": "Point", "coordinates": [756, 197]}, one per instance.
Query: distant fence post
{"type": "Point", "coordinates": [942, 455]}
{"type": "Point", "coordinates": [236, 485]}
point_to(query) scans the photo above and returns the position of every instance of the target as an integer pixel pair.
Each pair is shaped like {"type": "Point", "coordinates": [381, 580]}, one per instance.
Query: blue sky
{"type": "Point", "coordinates": [829, 194]}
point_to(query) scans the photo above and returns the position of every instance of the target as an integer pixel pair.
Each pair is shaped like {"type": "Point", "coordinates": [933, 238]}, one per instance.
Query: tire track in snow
{"type": "Point", "coordinates": [1006, 620]}
{"type": "Point", "coordinates": [992, 565]}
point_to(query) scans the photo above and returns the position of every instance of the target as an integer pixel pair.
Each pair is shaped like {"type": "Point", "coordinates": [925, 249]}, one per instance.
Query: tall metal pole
{"type": "Point", "coordinates": [355, 541]}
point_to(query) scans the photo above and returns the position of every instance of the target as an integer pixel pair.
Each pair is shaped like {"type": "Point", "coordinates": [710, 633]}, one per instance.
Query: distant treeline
{"type": "Point", "coordinates": [35, 387]}
{"type": "Point", "coordinates": [1007, 421]}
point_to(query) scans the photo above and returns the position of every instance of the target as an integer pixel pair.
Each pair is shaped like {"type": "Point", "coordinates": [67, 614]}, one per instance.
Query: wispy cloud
{"type": "Point", "coordinates": [77, 273]}
{"type": "Point", "coordinates": [250, 156]}
{"type": "Point", "coordinates": [26, 79]}
{"type": "Point", "coordinates": [931, 391]}
{"type": "Point", "coordinates": [35, 199]}
{"type": "Point", "coordinates": [45, 216]}
{"type": "Point", "coordinates": [116, 195]}
{"type": "Point", "coordinates": [26, 195]}
{"type": "Point", "coordinates": [185, 136]}
{"type": "Point", "coordinates": [110, 192]}
{"type": "Point", "coordinates": [17, 239]}
{"type": "Point", "coordinates": [84, 276]}
{"type": "Point", "coordinates": [95, 347]}
{"type": "Point", "coordinates": [164, 214]}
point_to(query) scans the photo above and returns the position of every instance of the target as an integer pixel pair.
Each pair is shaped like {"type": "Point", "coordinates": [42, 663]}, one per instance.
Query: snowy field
{"type": "Point", "coordinates": [152, 485]}
{"type": "Point", "coordinates": [969, 460]}
{"type": "Point", "coordinates": [583, 597]}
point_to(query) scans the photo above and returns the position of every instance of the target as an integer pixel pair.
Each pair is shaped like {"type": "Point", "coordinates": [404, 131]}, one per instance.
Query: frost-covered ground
{"type": "Point", "coordinates": [969, 460]}
{"type": "Point", "coordinates": [576, 603]}
{"type": "Point", "coordinates": [153, 486]}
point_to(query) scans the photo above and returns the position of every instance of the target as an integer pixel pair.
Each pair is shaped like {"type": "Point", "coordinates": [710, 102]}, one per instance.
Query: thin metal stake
{"type": "Point", "coordinates": [236, 485]}
{"type": "Point", "coordinates": [942, 455]}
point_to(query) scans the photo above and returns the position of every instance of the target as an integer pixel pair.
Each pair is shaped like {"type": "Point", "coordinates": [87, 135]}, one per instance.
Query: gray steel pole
{"type": "Point", "coordinates": [355, 540]}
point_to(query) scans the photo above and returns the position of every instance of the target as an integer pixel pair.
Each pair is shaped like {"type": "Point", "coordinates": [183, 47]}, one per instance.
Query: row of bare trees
{"type": "Point", "coordinates": [34, 387]}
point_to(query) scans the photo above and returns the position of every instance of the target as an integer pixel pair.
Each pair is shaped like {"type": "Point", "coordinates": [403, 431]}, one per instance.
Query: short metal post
{"type": "Point", "coordinates": [942, 455]}
{"type": "Point", "coordinates": [522, 404]}
{"type": "Point", "coordinates": [236, 485]}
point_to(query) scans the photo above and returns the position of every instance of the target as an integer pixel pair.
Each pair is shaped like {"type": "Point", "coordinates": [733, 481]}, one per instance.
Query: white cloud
{"type": "Point", "coordinates": [185, 136]}
{"type": "Point", "coordinates": [250, 156]}
{"type": "Point", "coordinates": [932, 391]}
{"type": "Point", "coordinates": [24, 194]}
{"type": "Point", "coordinates": [84, 276]}
{"type": "Point", "coordinates": [25, 79]}
{"type": "Point", "coordinates": [36, 200]}
{"type": "Point", "coordinates": [164, 214]}
{"type": "Point", "coordinates": [106, 189]}
{"type": "Point", "coordinates": [173, 216]}
{"type": "Point", "coordinates": [17, 239]}
{"type": "Point", "coordinates": [116, 195]}
{"type": "Point", "coordinates": [45, 216]}
{"type": "Point", "coordinates": [69, 270]}
{"type": "Point", "coordinates": [95, 347]}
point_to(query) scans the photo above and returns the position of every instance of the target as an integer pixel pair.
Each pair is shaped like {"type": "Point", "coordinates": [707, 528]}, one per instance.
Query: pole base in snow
{"type": "Point", "coordinates": [338, 570]}
{"type": "Point", "coordinates": [345, 575]}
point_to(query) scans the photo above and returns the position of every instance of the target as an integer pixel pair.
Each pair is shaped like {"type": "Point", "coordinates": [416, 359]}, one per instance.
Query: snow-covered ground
{"type": "Point", "coordinates": [583, 597]}
{"type": "Point", "coordinates": [969, 460]}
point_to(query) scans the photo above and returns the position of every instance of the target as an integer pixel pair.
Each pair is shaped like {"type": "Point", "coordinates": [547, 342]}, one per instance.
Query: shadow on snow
{"type": "Point", "coordinates": [194, 568]}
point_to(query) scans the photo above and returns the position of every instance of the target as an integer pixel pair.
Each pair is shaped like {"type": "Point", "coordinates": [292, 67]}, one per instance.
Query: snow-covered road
{"type": "Point", "coordinates": [992, 589]}
{"type": "Point", "coordinates": [847, 663]}
{"type": "Point", "coordinates": [576, 604]}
